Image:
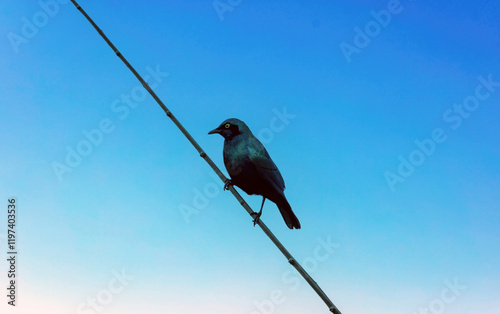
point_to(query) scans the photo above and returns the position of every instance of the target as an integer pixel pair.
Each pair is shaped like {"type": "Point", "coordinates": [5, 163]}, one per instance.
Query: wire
{"type": "Point", "coordinates": [214, 167]}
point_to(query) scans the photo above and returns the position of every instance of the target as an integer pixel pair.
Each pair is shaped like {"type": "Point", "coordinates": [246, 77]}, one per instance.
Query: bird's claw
{"type": "Point", "coordinates": [256, 218]}
{"type": "Point", "coordinates": [227, 184]}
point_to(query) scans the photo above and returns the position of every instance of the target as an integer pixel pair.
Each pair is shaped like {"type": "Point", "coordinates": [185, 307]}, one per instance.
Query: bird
{"type": "Point", "coordinates": [252, 169]}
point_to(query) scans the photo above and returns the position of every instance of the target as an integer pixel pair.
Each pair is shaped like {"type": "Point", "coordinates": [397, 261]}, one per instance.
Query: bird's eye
{"type": "Point", "coordinates": [227, 125]}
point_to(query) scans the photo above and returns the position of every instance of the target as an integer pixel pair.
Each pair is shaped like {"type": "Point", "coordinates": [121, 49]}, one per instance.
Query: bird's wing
{"type": "Point", "coordinates": [264, 164]}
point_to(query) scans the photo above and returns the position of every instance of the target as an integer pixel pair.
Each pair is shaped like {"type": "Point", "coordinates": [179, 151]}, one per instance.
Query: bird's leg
{"type": "Point", "coordinates": [257, 216]}
{"type": "Point", "coordinates": [227, 184]}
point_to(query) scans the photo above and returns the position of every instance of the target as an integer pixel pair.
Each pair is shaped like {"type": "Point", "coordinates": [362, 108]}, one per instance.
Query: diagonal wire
{"type": "Point", "coordinates": [202, 153]}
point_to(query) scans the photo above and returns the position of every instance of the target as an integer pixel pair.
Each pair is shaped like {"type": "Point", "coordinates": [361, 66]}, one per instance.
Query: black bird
{"type": "Point", "coordinates": [251, 168]}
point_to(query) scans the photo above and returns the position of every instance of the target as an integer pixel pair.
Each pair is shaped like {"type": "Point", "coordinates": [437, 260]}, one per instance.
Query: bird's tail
{"type": "Point", "coordinates": [286, 211]}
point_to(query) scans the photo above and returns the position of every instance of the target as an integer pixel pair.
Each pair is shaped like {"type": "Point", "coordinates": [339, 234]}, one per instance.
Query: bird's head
{"type": "Point", "coordinates": [231, 128]}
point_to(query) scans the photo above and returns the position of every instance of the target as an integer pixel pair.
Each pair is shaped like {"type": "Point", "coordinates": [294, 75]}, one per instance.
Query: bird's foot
{"type": "Point", "coordinates": [227, 184]}
{"type": "Point", "coordinates": [256, 217]}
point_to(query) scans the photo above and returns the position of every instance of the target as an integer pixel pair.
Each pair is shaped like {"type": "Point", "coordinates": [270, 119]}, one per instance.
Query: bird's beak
{"type": "Point", "coordinates": [214, 131]}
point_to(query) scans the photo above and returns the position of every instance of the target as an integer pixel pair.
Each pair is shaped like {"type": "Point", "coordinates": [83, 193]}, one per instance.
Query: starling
{"type": "Point", "coordinates": [252, 169]}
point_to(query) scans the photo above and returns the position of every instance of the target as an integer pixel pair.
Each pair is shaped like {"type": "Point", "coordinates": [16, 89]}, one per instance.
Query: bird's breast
{"type": "Point", "coordinates": [235, 156]}
{"type": "Point", "coordinates": [240, 168]}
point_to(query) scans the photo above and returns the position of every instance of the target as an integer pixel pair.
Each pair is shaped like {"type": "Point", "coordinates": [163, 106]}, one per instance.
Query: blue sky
{"type": "Point", "coordinates": [411, 227]}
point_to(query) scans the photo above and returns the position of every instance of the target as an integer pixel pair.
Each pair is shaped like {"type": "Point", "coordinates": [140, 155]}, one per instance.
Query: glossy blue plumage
{"type": "Point", "coordinates": [252, 169]}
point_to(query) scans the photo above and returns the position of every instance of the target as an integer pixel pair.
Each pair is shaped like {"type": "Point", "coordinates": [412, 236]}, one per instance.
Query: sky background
{"type": "Point", "coordinates": [398, 246]}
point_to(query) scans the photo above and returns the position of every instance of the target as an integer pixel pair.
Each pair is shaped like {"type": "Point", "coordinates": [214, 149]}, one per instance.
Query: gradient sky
{"type": "Point", "coordinates": [399, 245]}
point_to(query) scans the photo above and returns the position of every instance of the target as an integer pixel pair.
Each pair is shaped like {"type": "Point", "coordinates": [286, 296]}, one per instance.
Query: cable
{"type": "Point", "coordinates": [202, 153]}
